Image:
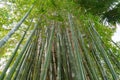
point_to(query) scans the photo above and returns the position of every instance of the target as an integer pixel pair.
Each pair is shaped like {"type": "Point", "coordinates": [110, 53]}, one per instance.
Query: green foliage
{"type": "Point", "coordinates": [113, 15]}
{"type": "Point", "coordinates": [102, 8]}
{"type": "Point", "coordinates": [3, 16]}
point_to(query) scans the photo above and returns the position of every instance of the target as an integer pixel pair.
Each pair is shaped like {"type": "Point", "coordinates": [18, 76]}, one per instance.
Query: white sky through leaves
{"type": "Point", "coordinates": [116, 36]}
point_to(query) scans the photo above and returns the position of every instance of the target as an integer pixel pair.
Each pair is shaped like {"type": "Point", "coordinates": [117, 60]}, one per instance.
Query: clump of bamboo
{"type": "Point", "coordinates": [54, 52]}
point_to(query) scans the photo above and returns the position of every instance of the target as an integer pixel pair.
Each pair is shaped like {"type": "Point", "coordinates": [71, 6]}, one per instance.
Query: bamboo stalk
{"type": "Point", "coordinates": [5, 39]}
{"type": "Point", "coordinates": [10, 74]}
{"type": "Point", "coordinates": [48, 57]}
{"type": "Point", "coordinates": [81, 74]}
{"type": "Point", "coordinates": [13, 54]}
{"type": "Point", "coordinates": [104, 54]}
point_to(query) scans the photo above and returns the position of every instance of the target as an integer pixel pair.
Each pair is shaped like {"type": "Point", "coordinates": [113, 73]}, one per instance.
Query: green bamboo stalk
{"type": "Point", "coordinates": [29, 62]}
{"type": "Point", "coordinates": [36, 67]}
{"type": "Point", "coordinates": [81, 74]}
{"type": "Point", "coordinates": [31, 59]}
{"type": "Point", "coordinates": [109, 52]}
{"type": "Point", "coordinates": [115, 44]}
{"type": "Point", "coordinates": [22, 64]}
{"type": "Point", "coordinates": [86, 53]}
{"type": "Point", "coordinates": [63, 53]}
{"type": "Point", "coordinates": [48, 57]}
{"type": "Point", "coordinates": [97, 54]}
{"type": "Point", "coordinates": [36, 77]}
{"type": "Point", "coordinates": [12, 31]}
{"type": "Point", "coordinates": [18, 70]}
{"type": "Point", "coordinates": [114, 59]}
{"type": "Point", "coordinates": [104, 54]}
{"type": "Point", "coordinates": [72, 58]}
{"type": "Point", "coordinates": [59, 58]}
{"type": "Point", "coordinates": [69, 60]}
{"type": "Point", "coordinates": [88, 72]}
{"type": "Point", "coordinates": [111, 55]}
{"type": "Point", "coordinates": [10, 74]}
{"type": "Point", "coordinates": [27, 49]}
{"type": "Point", "coordinates": [99, 64]}
{"type": "Point", "coordinates": [44, 40]}
{"type": "Point", "coordinates": [13, 55]}
{"type": "Point", "coordinates": [29, 68]}
{"type": "Point", "coordinates": [35, 51]}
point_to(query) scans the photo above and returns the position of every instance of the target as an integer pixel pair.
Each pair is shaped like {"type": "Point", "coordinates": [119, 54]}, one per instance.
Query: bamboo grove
{"type": "Point", "coordinates": [60, 50]}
